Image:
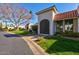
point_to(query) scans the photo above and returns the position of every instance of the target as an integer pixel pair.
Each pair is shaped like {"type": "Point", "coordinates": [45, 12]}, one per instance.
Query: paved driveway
{"type": "Point", "coordinates": [13, 45]}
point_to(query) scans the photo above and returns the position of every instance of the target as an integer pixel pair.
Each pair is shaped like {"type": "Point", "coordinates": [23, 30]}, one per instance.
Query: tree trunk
{"type": "Point", "coordinates": [0, 26]}
{"type": "Point", "coordinates": [27, 27]}
{"type": "Point", "coordinates": [16, 27]}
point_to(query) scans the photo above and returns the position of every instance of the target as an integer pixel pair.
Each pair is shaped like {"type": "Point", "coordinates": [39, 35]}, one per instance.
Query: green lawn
{"type": "Point", "coordinates": [21, 32]}
{"type": "Point", "coordinates": [59, 46]}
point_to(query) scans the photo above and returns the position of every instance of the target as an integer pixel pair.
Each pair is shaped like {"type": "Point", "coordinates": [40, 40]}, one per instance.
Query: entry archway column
{"type": "Point", "coordinates": [38, 27]}
{"type": "Point", "coordinates": [63, 25]}
{"type": "Point", "coordinates": [78, 24]}
{"type": "Point", "coordinates": [51, 27]}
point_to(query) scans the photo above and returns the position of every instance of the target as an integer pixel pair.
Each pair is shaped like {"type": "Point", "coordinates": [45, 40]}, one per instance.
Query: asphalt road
{"type": "Point", "coordinates": [13, 45]}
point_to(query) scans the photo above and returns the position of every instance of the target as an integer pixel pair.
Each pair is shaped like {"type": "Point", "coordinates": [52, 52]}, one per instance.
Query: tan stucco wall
{"type": "Point", "coordinates": [49, 15]}
{"type": "Point", "coordinates": [45, 15]}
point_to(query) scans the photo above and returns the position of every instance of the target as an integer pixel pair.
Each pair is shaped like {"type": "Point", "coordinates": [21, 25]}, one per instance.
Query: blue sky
{"type": "Point", "coordinates": [35, 7]}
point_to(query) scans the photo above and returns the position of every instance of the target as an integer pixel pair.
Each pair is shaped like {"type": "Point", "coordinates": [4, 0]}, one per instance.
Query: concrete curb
{"type": "Point", "coordinates": [36, 49]}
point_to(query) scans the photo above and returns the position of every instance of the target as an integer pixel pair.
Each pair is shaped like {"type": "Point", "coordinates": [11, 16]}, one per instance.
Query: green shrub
{"type": "Point", "coordinates": [21, 29]}
{"type": "Point", "coordinates": [71, 34]}
{"type": "Point", "coordinates": [11, 29]}
{"type": "Point", "coordinates": [34, 28]}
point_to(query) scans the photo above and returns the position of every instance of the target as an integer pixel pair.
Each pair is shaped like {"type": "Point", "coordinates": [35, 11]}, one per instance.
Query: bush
{"type": "Point", "coordinates": [21, 29]}
{"type": "Point", "coordinates": [71, 34]}
{"type": "Point", "coordinates": [35, 28]}
{"type": "Point", "coordinates": [11, 29]}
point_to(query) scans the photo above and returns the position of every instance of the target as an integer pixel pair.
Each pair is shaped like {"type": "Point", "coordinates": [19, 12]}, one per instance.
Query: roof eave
{"type": "Point", "coordinates": [65, 18]}
{"type": "Point", "coordinates": [47, 9]}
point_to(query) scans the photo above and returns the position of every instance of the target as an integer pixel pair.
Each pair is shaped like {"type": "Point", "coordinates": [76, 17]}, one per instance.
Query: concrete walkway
{"type": "Point", "coordinates": [36, 49]}
{"type": "Point", "coordinates": [13, 45]}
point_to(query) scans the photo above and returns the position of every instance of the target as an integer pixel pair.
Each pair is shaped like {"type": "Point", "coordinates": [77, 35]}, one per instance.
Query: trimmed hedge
{"type": "Point", "coordinates": [71, 34]}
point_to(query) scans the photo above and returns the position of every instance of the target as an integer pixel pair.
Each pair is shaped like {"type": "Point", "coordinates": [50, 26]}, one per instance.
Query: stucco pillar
{"type": "Point", "coordinates": [78, 19]}
{"type": "Point", "coordinates": [38, 26]}
{"type": "Point", "coordinates": [63, 26]}
{"type": "Point", "coordinates": [55, 27]}
{"type": "Point", "coordinates": [75, 26]}
{"type": "Point", "coordinates": [51, 27]}
{"type": "Point", "coordinates": [38, 29]}
{"type": "Point", "coordinates": [78, 24]}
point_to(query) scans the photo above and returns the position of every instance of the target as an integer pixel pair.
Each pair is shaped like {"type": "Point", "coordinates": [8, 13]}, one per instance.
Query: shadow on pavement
{"type": "Point", "coordinates": [11, 35]}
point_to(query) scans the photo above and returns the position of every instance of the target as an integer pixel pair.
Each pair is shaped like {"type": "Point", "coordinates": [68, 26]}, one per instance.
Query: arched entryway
{"type": "Point", "coordinates": [44, 26]}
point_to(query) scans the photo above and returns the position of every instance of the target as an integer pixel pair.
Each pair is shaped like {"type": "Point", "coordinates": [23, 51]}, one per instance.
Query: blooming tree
{"type": "Point", "coordinates": [15, 16]}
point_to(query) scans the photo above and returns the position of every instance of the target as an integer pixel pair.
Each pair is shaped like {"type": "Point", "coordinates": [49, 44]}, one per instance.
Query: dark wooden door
{"type": "Point", "coordinates": [44, 27]}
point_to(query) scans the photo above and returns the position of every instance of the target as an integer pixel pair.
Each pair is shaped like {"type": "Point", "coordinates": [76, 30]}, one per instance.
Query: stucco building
{"type": "Point", "coordinates": [51, 21]}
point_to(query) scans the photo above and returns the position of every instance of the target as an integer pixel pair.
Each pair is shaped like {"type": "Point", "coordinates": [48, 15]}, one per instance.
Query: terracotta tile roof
{"type": "Point", "coordinates": [66, 15]}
